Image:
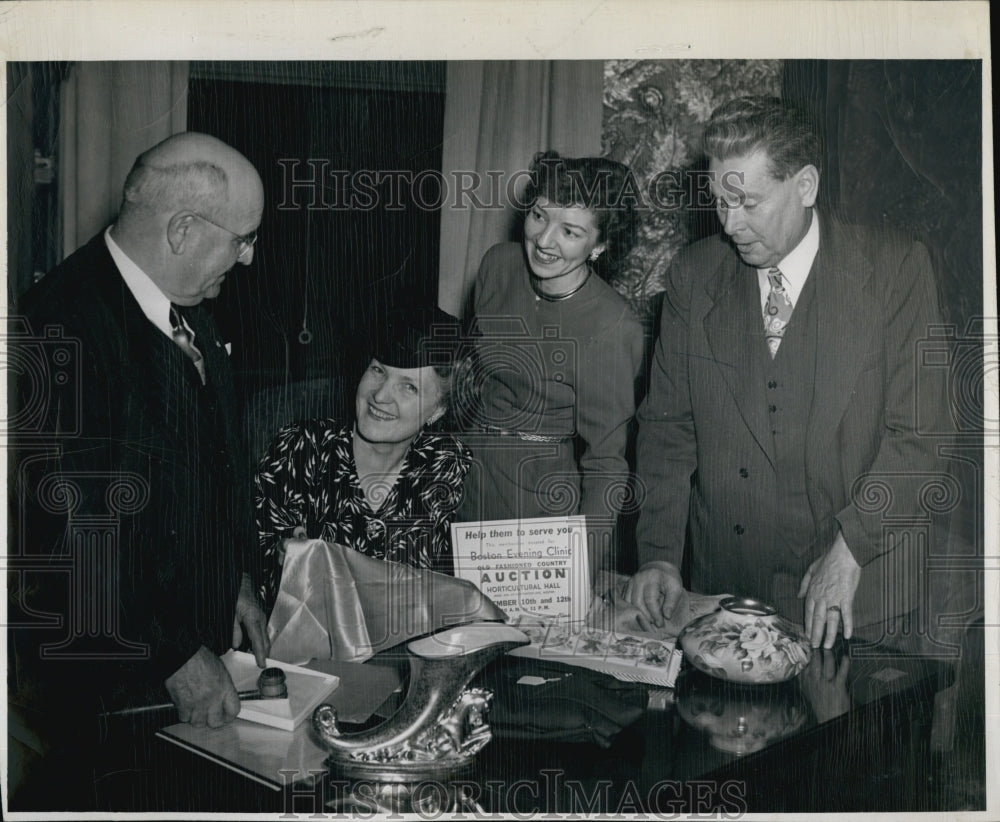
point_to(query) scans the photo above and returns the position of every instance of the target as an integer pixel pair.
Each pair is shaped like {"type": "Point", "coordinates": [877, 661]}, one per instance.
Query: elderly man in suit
{"type": "Point", "coordinates": [784, 391]}
{"type": "Point", "coordinates": [156, 445]}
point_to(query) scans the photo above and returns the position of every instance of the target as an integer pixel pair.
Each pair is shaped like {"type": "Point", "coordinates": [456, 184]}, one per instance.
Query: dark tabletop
{"type": "Point", "coordinates": [849, 734]}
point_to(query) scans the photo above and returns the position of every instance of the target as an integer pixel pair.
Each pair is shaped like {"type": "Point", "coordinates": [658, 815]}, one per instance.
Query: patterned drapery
{"type": "Point", "coordinates": [654, 111]}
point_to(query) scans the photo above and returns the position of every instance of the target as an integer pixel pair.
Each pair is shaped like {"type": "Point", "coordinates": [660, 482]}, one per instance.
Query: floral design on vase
{"type": "Point", "coordinates": [746, 641]}
{"type": "Point", "coordinates": [654, 113]}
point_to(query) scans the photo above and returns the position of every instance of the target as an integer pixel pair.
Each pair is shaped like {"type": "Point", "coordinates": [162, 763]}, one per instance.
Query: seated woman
{"type": "Point", "coordinates": [386, 485]}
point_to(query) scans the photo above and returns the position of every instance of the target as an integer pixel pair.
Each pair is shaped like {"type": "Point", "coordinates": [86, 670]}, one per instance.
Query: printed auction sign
{"type": "Point", "coordinates": [535, 567]}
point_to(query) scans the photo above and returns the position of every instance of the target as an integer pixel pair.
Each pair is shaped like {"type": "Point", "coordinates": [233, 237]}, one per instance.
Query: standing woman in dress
{"type": "Point", "coordinates": [558, 352]}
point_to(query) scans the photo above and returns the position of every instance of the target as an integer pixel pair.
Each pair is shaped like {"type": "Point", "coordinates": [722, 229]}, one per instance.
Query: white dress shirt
{"type": "Point", "coordinates": [794, 267]}
{"type": "Point", "coordinates": [152, 301]}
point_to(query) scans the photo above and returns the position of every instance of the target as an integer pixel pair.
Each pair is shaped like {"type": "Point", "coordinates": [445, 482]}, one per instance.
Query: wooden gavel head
{"type": "Point", "coordinates": [271, 684]}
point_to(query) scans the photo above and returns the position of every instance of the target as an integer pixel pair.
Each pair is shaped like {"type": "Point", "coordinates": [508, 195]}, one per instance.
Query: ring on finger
{"type": "Point", "coordinates": [835, 608]}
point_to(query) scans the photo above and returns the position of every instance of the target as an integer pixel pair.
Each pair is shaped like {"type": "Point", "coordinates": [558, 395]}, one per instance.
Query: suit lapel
{"type": "Point", "coordinates": [219, 374]}
{"type": "Point", "coordinates": [154, 360]}
{"type": "Point", "coordinates": [148, 352]}
{"type": "Point", "coordinates": [846, 323]}
{"type": "Point", "coordinates": [158, 371]}
{"type": "Point", "coordinates": [735, 333]}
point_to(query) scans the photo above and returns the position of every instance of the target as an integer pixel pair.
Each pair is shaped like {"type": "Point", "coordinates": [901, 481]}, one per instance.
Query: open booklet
{"type": "Point", "coordinates": [537, 571]}
{"type": "Point", "coordinates": [610, 639]}
{"type": "Point", "coordinates": [629, 657]}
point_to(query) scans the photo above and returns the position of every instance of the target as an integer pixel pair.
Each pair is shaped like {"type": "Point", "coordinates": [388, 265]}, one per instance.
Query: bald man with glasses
{"type": "Point", "coordinates": [155, 446]}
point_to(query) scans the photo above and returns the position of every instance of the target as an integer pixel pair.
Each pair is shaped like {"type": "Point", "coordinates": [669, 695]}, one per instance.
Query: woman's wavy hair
{"type": "Point", "coordinates": [606, 187]}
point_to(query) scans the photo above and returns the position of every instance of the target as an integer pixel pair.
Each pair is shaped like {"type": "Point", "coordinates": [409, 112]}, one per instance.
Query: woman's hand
{"type": "Point", "coordinates": [298, 535]}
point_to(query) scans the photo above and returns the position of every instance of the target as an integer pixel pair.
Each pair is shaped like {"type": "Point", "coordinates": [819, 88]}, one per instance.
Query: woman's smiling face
{"type": "Point", "coordinates": [394, 404]}
{"type": "Point", "coordinates": [558, 240]}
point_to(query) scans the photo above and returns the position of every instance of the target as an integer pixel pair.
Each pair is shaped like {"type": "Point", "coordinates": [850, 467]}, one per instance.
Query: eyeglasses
{"type": "Point", "coordinates": [244, 242]}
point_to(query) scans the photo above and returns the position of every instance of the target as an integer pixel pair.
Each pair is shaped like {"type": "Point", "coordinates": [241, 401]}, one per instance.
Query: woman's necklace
{"type": "Point", "coordinates": [558, 297]}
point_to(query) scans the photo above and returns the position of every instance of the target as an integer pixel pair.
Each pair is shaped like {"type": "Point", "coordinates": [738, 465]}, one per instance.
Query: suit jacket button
{"type": "Point", "coordinates": [744, 473]}
{"type": "Point", "coordinates": [772, 384]}
{"type": "Point", "coordinates": [738, 530]}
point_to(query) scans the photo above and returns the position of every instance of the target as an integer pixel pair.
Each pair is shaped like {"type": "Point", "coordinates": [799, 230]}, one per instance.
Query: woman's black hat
{"type": "Point", "coordinates": [416, 336]}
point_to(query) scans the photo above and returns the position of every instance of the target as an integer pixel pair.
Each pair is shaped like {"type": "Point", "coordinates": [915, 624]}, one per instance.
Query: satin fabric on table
{"type": "Point", "coordinates": [335, 603]}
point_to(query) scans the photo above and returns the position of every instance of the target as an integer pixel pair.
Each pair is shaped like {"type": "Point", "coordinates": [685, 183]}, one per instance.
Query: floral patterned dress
{"type": "Point", "coordinates": [308, 478]}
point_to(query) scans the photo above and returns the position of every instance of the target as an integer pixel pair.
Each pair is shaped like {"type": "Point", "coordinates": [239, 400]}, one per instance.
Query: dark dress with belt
{"type": "Point", "coordinates": [557, 392]}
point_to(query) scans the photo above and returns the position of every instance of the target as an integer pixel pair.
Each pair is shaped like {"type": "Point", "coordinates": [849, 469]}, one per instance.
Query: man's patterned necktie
{"type": "Point", "coordinates": [184, 337]}
{"type": "Point", "coordinates": [777, 311]}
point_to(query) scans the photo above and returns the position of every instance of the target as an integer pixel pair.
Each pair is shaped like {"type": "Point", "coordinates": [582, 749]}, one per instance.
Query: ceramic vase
{"type": "Point", "coordinates": [745, 641]}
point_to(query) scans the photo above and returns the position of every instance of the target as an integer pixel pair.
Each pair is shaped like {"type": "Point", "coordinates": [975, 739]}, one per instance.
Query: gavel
{"type": "Point", "coordinates": [270, 685]}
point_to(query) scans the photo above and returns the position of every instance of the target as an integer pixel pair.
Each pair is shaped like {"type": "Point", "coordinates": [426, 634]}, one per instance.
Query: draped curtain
{"type": "Point", "coordinates": [497, 115]}
{"type": "Point", "coordinates": [110, 112]}
{"type": "Point", "coordinates": [20, 179]}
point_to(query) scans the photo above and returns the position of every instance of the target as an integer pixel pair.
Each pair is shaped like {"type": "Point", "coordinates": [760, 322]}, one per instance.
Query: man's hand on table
{"type": "Point", "coordinates": [655, 591]}
{"type": "Point", "coordinates": [610, 613]}
{"type": "Point", "coordinates": [203, 691]}
{"type": "Point", "coordinates": [828, 587]}
{"type": "Point", "coordinates": [250, 615]}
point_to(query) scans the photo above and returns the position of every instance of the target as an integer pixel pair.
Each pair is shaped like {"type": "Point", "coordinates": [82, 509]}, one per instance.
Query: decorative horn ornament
{"type": "Point", "coordinates": [441, 724]}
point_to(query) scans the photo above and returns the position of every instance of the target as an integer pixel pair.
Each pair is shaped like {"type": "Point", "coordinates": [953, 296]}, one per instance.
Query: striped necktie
{"type": "Point", "coordinates": [184, 337]}
{"type": "Point", "coordinates": [777, 311]}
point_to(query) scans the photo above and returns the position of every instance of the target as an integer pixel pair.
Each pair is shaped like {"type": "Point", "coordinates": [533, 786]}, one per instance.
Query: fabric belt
{"type": "Point", "coordinates": [524, 435]}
